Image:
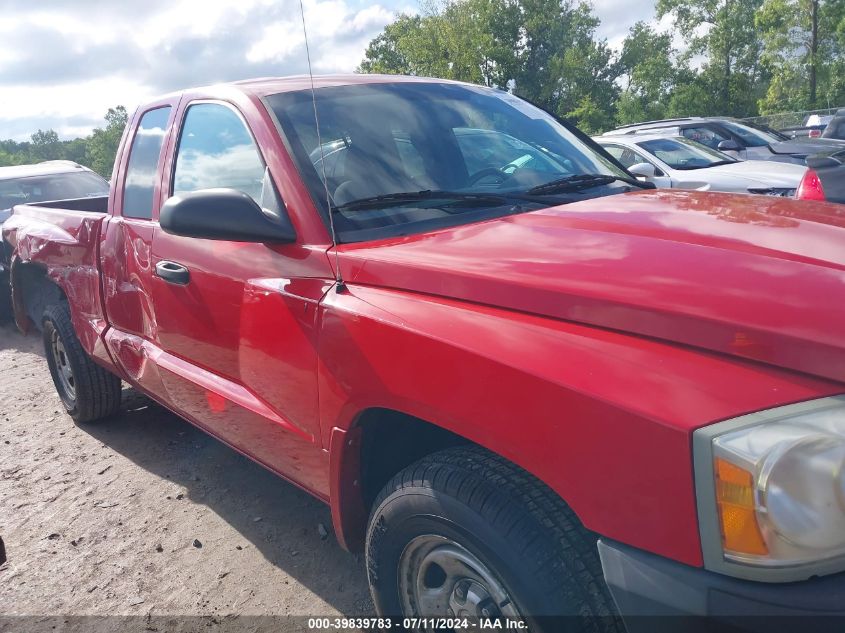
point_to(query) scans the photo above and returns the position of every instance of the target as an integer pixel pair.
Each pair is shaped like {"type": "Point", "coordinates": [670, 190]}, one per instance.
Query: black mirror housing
{"type": "Point", "coordinates": [222, 214]}
{"type": "Point", "coordinates": [728, 146]}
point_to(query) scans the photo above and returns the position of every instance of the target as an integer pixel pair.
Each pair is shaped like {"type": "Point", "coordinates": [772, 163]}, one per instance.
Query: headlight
{"type": "Point", "coordinates": [771, 492]}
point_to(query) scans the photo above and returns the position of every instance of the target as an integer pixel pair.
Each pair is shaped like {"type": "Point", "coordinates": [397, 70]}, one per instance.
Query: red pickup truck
{"type": "Point", "coordinates": [526, 383]}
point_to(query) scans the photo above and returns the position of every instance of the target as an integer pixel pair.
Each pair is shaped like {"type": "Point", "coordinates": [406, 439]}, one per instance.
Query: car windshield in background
{"type": "Point", "coordinates": [43, 188]}
{"type": "Point", "coordinates": [684, 154]}
{"type": "Point", "coordinates": [752, 137]}
{"type": "Point", "coordinates": [455, 153]}
{"type": "Point", "coordinates": [768, 132]}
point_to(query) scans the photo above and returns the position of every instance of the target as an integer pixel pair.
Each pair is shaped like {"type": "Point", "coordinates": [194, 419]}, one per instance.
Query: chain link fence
{"type": "Point", "coordinates": [790, 120]}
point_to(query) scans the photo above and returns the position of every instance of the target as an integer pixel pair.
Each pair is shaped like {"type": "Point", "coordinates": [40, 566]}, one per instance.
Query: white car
{"type": "Point", "coordinates": [679, 163]}
{"type": "Point", "coordinates": [48, 180]}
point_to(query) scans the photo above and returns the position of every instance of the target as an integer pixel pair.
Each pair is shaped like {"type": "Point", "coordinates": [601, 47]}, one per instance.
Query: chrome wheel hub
{"type": "Point", "coordinates": [440, 578]}
{"type": "Point", "coordinates": [63, 369]}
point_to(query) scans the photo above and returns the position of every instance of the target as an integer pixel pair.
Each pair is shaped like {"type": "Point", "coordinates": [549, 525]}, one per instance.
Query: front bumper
{"type": "Point", "coordinates": [657, 594]}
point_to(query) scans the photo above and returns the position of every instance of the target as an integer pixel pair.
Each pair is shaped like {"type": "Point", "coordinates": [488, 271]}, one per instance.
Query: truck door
{"type": "Point", "coordinates": [126, 240]}
{"type": "Point", "coordinates": [236, 322]}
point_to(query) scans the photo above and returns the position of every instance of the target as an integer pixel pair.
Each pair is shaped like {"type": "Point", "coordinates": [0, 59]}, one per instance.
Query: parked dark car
{"type": "Point", "coordinates": [836, 127]}
{"type": "Point", "coordinates": [813, 127]}
{"type": "Point", "coordinates": [739, 139]}
{"type": "Point", "coordinates": [825, 178]}
{"type": "Point", "coordinates": [50, 180]}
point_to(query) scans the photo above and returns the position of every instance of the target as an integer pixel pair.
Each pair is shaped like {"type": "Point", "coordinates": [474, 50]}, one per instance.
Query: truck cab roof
{"type": "Point", "coordinates": [264, 86]}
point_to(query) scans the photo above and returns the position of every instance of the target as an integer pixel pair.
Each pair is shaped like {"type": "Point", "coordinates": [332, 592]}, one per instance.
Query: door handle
{"type": "Point", "coordinates": [173, 273]}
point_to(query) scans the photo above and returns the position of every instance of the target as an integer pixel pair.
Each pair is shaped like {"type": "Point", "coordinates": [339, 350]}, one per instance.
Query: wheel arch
{"type": "Point", "coordinates": [33, 289]}
{"type": "Point", "coordinates": [379, 443]}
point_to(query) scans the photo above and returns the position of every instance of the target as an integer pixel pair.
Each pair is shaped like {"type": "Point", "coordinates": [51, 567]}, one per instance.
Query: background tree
{"type": "Point", "coordinates": [723, 32]}
{"type": "Point", "coordinates": [650, 67]}
{"type": "Point", "coordinates": [466, 41]}
{"type": "Point", "coordinates": [96, 151]}
{"type": "Point", "coordinates": [103, 142]}
{"type": "Point", "coordinates": [45, 145]}
{"type": "Point", "coordinates": [544, 50]}
{"type": "Point", "coordinates": [834, 13]}
{"type": "Point", "coordinates": [803, 51]}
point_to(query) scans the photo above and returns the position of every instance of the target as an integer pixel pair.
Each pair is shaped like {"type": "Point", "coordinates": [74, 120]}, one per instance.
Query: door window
{"type": "Point", "coordinates": [704, 135]}
{"type": "Point", "coordinates": [217, 150]}
{"type": "Point", "coordinates": [626, 156]}
{"type": "Point", "coordinates": [142, 171]}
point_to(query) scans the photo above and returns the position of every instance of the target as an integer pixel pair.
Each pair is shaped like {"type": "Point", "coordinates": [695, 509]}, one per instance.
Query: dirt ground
{"type": "Point", "coordinates": [144, 515]}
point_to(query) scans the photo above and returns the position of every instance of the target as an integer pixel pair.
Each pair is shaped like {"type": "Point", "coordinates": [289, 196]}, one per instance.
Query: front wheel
{"type": "Point", "coordinates": [464, 533]}
{"type": "Point", "coordinates": [88, 392]}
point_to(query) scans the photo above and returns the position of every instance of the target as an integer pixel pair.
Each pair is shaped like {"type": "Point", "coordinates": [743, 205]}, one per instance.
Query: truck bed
{"type": "Point", "coordinates": [93, 204]}
{"type": "Point", "coordinates": [58, 241]}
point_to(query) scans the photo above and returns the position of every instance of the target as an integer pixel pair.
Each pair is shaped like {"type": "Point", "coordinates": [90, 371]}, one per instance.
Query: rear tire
{"type": "Point", "coordinates": [5, 298]}
{"type": "Point", "coordinates": [465, 532]}
{"type": "Point", "coordinates": [88, 392]}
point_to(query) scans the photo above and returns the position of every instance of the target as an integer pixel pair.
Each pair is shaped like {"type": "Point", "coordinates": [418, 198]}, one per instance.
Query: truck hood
{"type": "Point", "coordinates": [752, 276]}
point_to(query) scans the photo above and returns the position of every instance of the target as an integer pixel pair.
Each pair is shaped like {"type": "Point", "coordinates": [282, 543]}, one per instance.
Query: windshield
{"type": "Point", "coordinates": [484, 150]}
{"type": "Point", "coordinates": [684, 154]}
{"type": "Point", "coordinates": [767, 131]}
{"type": "Point", "coordinates": [43, 188]}
{"type": "Point", "coordinates": [752, 137]}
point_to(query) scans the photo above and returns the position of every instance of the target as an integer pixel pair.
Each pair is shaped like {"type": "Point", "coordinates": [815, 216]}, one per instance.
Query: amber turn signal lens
{"type": "Point", "coordinates": [735, 498]}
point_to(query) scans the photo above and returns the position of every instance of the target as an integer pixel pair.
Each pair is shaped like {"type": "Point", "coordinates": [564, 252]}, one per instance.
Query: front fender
{"type": "Point", "coordinates": [604, 418]}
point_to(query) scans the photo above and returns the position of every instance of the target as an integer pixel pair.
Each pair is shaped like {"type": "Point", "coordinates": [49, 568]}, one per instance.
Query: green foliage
{"type": "Point", "coordinates": [103, 143]}
{"type": "Point", "coordinates": [543, 50]}
{"type": "Point", "coordinates": [741, 56]}
{"type": "Point", "coordinates": [465, 41]}
{"type": "Point", "coordinates": [652, 68]}
{"type": "Point", "coordinates": [96, 151]}
{"type": "Point", "coordinates": [724, 32]}
{"type": "Point", "coordinates": [804, 51]}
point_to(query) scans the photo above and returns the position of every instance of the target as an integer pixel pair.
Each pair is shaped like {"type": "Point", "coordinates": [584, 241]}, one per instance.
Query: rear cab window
{"type": "Point", "coordinates": [142, 170]}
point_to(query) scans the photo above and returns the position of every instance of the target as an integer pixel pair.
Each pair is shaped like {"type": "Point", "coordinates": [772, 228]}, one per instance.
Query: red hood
{"type": "Point", "coordinates": [762, 278]}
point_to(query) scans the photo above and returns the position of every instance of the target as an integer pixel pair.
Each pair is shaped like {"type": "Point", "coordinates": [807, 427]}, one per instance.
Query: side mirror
{"type": "Point", "coordinates": [644, 170]}
{"type": "Point", "coordinates": [222, 214]}
{"type": "Point", "coordinates": [728, 146]}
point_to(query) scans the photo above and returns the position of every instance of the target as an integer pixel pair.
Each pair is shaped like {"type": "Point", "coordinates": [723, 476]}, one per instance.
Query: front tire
{"type": "Point", "coordinates": [465, 533]}
{"type": "Point", "coordinates": [88, 392]}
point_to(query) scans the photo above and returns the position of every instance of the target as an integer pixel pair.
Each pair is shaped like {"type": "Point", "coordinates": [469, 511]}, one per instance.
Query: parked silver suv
{"type": "Point", "coordinates": [734, 137]}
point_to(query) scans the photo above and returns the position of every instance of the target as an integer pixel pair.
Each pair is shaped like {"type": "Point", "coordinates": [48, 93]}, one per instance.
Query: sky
{"type": "Point", "coordinates": [64, 63]}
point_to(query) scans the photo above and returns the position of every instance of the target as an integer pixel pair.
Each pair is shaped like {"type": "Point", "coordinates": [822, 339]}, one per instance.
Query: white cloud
{"type": "Point", "coordinates": [618, 16]}
{"type": "Point", "coordinates": [62, 65]}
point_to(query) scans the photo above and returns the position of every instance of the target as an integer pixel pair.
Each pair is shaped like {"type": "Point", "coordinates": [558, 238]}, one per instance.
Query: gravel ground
{"type": "Point", "coordinates": [143, 515]}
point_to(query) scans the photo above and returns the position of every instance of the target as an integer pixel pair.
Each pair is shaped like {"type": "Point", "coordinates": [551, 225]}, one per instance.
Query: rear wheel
{"type": "Point", "coordinates": [465, 533]}
{"type": "Point", "coordinates": [88, 391]}
{"type": "Point", "coordinates": [5, 296]}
